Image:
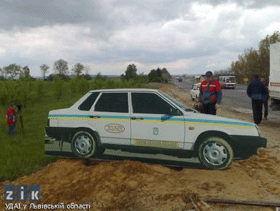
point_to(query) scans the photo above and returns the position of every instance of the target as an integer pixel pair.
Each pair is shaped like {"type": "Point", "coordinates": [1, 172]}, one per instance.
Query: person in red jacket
{"type": "Point", "coordinates": [11, 119]}
{"type": "Point", "coordinates": [210, 94]}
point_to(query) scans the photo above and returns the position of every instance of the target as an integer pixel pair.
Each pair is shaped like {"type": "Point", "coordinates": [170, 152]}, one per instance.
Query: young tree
{"type": "Point", "coordinates": [87, 70]}
{"type": "Point", "coordinates": [77, 69]}
{"type": "Point", "coordinates": [61, 67]}
{"type": "Point", "coordinates": [165, 71]}
{"type": "Point", "coordinates": [159, 72]}
{"type": "Point", "coordinates": [130, 72]}
{"type": "Point", "coordinates": [26, 72]}
{"type": "Point", "coordinates": [165, 75]}
{"type": "Point", "coordinates": [44, 69]}
{"type": "Point", "coordinates": [13, 70]}
{"type": "Point", "coordinates": [100, 77]}
{"type": "Point", "coordinates": [153, 76]}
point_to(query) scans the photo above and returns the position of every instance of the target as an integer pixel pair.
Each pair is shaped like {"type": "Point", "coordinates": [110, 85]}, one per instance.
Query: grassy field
{"type": "Point", "coordinates": [24, 153]}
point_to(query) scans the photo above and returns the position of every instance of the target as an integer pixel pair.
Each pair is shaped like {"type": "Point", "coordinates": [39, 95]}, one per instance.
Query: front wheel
{"type": "Point", "coordinates": [215, 153]}
{"type": "Point", "coordinates": [83, 145]}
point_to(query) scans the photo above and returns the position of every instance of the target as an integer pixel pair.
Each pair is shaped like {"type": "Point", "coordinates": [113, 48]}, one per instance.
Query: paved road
{"type": "Point", "coordinates": [235, 98]}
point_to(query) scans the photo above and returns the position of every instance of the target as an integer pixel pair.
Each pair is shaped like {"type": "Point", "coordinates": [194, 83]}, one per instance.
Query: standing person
{"type": "Point", "coordinates": [265, 98]}
{"type": "Point", "coordinates": [11, 119]}
{"type": "Point", "coordinates": [210, 94]}
{"type": "Point", "coordinates": [256, 91]}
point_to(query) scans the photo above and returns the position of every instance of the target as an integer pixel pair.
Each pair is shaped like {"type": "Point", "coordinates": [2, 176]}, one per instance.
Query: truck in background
{"type": "Point", "coordinates": [274, 76]}
{"type": "Point", "coordinates": [228, 82]}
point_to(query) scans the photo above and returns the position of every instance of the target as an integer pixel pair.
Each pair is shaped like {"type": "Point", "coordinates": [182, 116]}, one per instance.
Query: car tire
{"type": "Point", "coordinates": [215, 153]}
{"type": "Point", "coordinates": [84, 145]}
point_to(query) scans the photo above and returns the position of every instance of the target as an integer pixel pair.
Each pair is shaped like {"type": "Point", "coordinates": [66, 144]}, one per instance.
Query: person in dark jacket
{"type": "Point", "coordinates": [210, 94]}
{"type": "Point", "coordinates": [256, 91]}
{"type": "Point", "coordinates": [266, 97]}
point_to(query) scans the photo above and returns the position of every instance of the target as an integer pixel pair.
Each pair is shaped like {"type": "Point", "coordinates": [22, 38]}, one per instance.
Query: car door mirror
{"type": "Point", "coordinates": [174, 112]}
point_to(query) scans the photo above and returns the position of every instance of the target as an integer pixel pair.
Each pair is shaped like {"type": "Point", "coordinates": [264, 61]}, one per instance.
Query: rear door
{"type": "Point", "coordinates": [111, 118]}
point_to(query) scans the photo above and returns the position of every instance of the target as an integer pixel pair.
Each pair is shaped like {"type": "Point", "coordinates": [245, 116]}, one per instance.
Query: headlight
{"type": "Point", "coordinates": [258, 129]}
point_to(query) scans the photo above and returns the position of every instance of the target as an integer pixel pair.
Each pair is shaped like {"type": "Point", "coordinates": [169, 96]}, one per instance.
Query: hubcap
{"type": "Point", "coordinates": [83, 145]}
{"type": "Point", "coordinates": [215, 153]}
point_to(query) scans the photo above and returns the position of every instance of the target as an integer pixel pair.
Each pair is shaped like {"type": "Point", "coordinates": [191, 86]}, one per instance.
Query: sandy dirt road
{"type": "Point", "coordinates": [132, 185]}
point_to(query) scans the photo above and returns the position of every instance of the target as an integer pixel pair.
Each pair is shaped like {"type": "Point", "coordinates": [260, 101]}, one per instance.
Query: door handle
{"type": "Point", "coordinates": [94, 117]}
{"type": "Point", "coordinates": [137, 118]}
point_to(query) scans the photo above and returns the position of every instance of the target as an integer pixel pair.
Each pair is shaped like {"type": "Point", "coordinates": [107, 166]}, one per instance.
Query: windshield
{"type": "Point", "coordinates": [230, 80]}
{"type": "Point", "coordinates": [176, 102]}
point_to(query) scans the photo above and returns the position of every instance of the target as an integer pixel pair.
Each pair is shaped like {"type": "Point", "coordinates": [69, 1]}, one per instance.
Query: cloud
{"type": "Point", "coordinates": [31, 13]}
{"type": "Point", "coordinates": [183, 36]}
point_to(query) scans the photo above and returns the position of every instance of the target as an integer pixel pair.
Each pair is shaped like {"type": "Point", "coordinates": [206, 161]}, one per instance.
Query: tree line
{"type": "Point", "coordinates": [61, 70]}
{"type": "Point", "coordinates": [158, 75]}
{"type": "Point", "coordinates": [60, 67]}
{"type": "Point", "coordinates": [253, 61]}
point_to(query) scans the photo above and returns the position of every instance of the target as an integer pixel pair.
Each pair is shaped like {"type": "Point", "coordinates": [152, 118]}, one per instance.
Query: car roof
{"type": "Point", "coordinates": [125, 90]}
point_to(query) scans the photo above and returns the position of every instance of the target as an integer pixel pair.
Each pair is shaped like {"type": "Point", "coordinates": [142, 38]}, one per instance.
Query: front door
{"type": "Point", "coordinates": [152, 124]}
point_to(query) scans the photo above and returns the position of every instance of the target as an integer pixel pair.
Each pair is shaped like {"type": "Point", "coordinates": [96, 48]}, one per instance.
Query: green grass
{"type": "Point", "coordinates": [23, 154]}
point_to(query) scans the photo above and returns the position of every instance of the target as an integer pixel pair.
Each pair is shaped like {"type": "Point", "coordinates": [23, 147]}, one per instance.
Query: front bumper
{"type": "Point", "coordinates": [245, 146]}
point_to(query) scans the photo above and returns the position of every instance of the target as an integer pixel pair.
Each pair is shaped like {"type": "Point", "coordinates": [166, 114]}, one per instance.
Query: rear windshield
{"type": "Point", "coordinates": [87, 104]}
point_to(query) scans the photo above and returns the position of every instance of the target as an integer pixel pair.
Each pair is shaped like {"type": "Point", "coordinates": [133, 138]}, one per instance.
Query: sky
{"type": "Point", "coordinates": [184, 36]}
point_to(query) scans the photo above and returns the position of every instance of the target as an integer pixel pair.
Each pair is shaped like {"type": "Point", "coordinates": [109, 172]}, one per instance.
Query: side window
{"type": "Point", "coordinates": [149, 103]}
{"type": "Point", "coordinates": [87, 104]}
{"type": "Point", "coordinates": [112, 102]}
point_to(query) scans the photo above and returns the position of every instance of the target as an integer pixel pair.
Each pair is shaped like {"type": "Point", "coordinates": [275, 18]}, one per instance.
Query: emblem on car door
{"type": "Point", "coordinates": [114, 128]}
{"type": "Point", "coordinates": [155, 130]}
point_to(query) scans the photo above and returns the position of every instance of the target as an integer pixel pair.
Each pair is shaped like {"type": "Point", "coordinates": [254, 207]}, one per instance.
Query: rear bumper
{"type": "Point", "coordinates": [57, 133]}
{"type": "Point", "coordinates": [244, 146]}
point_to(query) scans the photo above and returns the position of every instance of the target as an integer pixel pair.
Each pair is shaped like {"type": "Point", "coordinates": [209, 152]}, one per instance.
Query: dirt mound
{"type": "Point", "coordinates": [132, 185]}
{"type": "Point", "coordinates": [118, 185]}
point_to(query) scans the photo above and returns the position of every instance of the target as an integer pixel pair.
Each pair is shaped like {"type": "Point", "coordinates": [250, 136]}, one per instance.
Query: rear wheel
{"type": "Point", "coordinates": [215, 153]}
{"type": "Point", "coordinates": [84, 145]}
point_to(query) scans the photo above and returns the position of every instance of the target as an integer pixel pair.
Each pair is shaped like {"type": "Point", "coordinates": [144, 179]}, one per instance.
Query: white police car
{"type": "Point", "coordinates": [149, 120]}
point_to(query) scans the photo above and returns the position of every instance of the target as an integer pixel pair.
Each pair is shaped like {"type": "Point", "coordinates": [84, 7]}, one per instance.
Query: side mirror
{"type": "Point", "coordinates": [174, 112]}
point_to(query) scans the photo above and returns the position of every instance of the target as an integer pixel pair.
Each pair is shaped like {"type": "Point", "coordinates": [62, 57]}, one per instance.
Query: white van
{"type": "Point", "coordinates": [149, 120]}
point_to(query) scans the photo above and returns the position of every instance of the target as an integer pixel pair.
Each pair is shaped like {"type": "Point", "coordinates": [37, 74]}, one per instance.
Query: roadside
{"type": "Point", "coordinates": [237, 99]}
{"type": "Point", "coordinates": [269, 128]}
